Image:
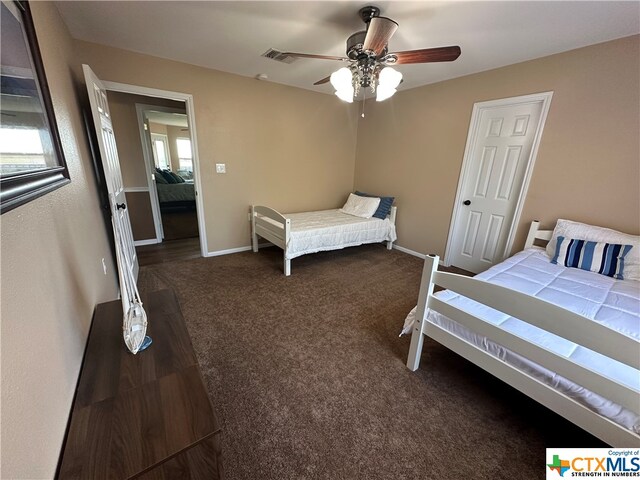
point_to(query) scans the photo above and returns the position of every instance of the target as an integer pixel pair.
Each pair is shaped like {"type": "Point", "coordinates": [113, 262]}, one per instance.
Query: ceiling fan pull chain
{"type": "Point", "coordinates": [364, 97]}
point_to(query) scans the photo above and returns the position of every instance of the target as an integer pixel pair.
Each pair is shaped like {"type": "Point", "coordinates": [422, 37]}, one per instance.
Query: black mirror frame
{"type": "Point", "coordinates": [20, 188]}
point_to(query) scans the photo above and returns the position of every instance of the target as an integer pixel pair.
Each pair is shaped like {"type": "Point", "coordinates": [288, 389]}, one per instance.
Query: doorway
{"type": "Point", "coordinates": [186, 101]}
{"type": "Point", "coordinates": [168, 153]}
{"type": "Point", "coordinates": [498, 162]}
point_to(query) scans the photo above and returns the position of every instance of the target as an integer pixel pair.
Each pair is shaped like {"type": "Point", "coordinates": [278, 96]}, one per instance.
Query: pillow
{"type": "Point", "coordinates": [583, 231]}
{"type": "Point", "coordinates": [358, 206]}
{"type": "Point", "coordinates": [599, 257]}
{"type": "Point", "coordinates": [167, 176]}
{"type": "Point", "coordinates": [159, 177]}
{"type": "Point", "coordinates": [385, 204]}
{"type": "Point", "coordinates": [176, 177]}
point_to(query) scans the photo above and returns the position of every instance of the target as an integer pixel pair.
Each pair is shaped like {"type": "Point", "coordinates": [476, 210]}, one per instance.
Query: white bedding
{"type": "Point", "coordinates": [331, 230]}
{"type": "Point", "coordinates": [613, 303]}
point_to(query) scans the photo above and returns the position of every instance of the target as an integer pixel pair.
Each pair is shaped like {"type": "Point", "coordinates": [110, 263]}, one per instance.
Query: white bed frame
{"type": "Point", "coordinates": [279, 234]}
{"type": "Point", "coordinates": [545, 315]}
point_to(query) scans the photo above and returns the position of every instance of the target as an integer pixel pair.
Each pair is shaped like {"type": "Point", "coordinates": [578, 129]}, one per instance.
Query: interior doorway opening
{"type": "Point", "coordinates": [168, 151]}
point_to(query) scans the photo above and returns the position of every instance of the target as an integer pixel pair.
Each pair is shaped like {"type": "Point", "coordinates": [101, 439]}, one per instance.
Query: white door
{"type": "Point", "coordinates": [127, 259]}
{"type": "Point", "coordinates": [501, 146]}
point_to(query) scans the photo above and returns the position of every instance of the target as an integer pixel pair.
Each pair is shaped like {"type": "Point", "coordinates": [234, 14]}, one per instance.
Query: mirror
{"type": "Point", "coordinates": [31, 158]}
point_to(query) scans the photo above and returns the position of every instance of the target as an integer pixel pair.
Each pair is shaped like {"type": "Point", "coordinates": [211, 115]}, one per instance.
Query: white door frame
{"type": "Point", "coordinates": [191, 119]}
{"type": "Point", "coordinates": [474, 128]}
{"type": "Point", "coordinates": [149, 164]}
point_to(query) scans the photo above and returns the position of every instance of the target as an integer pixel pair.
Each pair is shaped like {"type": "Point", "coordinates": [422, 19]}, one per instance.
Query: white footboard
{"type": "Point", "coordinates": [272, 226]}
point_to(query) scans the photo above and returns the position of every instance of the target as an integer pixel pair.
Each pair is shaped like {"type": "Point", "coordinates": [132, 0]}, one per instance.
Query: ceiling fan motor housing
{"type": "Point", "coordinates": [354, 44]}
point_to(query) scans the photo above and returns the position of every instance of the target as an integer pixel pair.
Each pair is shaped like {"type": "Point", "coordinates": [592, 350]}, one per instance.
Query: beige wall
{"type": "Point", "coordinates": [587, 168]}
{"type": "Point", "coordinates": [51, 280]}
{"type": "Point", "coordinates": [157, 128]}
{"type": "Point", "coordinates": [285, 147]}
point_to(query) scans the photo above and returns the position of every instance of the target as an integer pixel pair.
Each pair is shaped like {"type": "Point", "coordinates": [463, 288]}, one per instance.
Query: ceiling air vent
{"type": "Point", "coordinates": [278, 56]}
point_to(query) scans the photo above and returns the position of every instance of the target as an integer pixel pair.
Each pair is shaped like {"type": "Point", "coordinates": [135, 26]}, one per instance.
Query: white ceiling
{"type": "Point", "coordinates": [166, 118]}
{"type": "Point", "coordinates": [232, 36]}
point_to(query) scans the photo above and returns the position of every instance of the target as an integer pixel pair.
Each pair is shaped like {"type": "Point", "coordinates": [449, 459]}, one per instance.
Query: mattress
{"type": "Point", "coordinates": [331, 230]}
{"type": "Point", "coordinates": [612, 303]}
{"type": "Point", "coordinates": [176, 192]}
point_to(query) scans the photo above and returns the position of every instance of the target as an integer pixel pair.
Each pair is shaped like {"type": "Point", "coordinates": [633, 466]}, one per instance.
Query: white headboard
{"type": "Point", "coordinates": [535, 234]}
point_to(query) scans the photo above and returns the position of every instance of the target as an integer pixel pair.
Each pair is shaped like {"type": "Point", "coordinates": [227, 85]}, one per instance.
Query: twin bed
{"type": "Point", "coordinates": [310, 232]}
{"type": "Point", "coordinates": [566, 337]}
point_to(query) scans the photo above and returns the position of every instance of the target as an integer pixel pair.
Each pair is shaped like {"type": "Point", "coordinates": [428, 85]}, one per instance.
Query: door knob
{"type": "Point", "coordinates": [121, 206]}
{"type": "Point", "coordinates": [467, 202]}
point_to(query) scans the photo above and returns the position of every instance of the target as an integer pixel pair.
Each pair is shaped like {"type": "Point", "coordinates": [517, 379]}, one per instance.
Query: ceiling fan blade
{"type": "Point", "coordinates": [311, 55]}
{"type": "Point", "coordinates": [324, 80]}
{"type": "Point", "coordinates": [380, 30]}
{"type": "Point", "coordinates": [426, 55]}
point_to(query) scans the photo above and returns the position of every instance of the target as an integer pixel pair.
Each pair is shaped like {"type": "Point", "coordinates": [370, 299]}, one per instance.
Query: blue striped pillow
{"type": "Point", "coordinates": [604, 258]}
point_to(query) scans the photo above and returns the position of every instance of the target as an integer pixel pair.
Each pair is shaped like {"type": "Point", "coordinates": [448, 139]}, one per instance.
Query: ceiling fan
{"type": "Point", "coordinates": [369, 59]}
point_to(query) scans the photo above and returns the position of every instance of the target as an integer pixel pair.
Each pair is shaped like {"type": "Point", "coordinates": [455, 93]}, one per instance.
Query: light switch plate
{"type": "Point", "coordinates": [221, 168]}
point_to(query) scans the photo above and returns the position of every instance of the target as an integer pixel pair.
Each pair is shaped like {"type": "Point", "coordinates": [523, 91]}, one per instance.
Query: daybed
{"type": "Point", "coordinates": [567, 337]}
{"type": "Point", "coordinates": [309, 232]}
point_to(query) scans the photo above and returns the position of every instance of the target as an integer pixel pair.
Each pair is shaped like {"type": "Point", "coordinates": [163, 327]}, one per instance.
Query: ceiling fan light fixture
{"type": "Point", "coordinates": [342, 81]}
{"type": "Point", "coordinates": [388, 81]}
{"type": "Point", "coordinates": [389, 78]}
{"type": "Point", "coordinates": [384, 93]}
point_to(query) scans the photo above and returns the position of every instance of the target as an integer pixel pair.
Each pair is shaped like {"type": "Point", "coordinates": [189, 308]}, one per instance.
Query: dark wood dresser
{"type": "Point", "coordinates": [144, 416]}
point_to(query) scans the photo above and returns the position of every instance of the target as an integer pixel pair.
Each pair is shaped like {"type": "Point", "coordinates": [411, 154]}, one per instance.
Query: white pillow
{"type": "Point", "coordinates": [583, 231]}
{"type": "Point", "coordinates": [359, 206]}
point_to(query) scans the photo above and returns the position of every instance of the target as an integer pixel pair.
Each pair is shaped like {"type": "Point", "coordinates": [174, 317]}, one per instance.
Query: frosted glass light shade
{"type": "Point", "coordinates": [388, 81]}
{"type": "Point", "coordinates": [342, 82]}
{"type": "Point", "coordinates": [384, 93]}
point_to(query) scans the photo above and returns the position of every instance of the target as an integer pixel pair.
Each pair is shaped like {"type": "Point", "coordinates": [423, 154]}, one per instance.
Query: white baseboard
{"type": "Point", "coordinates": [140, 243]}
{"type": "Point", "coordinates": [229, 251]}
{"type": "Point", "coordinates": [414, 253]}
{"type": "Point", "coordinates": [410, 252]}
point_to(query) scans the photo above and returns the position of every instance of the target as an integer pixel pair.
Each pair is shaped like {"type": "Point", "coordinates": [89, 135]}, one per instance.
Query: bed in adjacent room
{"type": "Point", "coordinates": [174, 192]}
{"type": "Point", "coordinates": [560, 324]}
{"type": "Point", "coordinates": [175, 195]}
{"type": "Point", "coordinates": [362, 220]}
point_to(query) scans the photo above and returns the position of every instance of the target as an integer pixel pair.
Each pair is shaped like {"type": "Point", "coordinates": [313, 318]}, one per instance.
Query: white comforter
{"type": "Point", "coordinates": [613, 303]}
{"type": "Point", "coordinates": [331, 230]}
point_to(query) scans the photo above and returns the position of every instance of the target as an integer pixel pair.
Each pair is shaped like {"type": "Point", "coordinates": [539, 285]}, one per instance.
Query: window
{"type": "Point", "coordinates": [160, 151]}
{"type": "Point", "coordinates": [185, 157]}
{"type": "Point", "coordinates": [21, 150]}
{"type": "Point", "coordinates": [31, 159]}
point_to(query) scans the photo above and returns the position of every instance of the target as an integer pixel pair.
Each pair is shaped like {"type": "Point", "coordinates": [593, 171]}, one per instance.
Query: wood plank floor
{"type": "Point", "coordinates": [169, 251]}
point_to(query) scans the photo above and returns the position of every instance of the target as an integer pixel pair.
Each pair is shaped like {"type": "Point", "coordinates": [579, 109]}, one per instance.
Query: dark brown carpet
{"type": "Point", "coordinates": [307, 374]}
